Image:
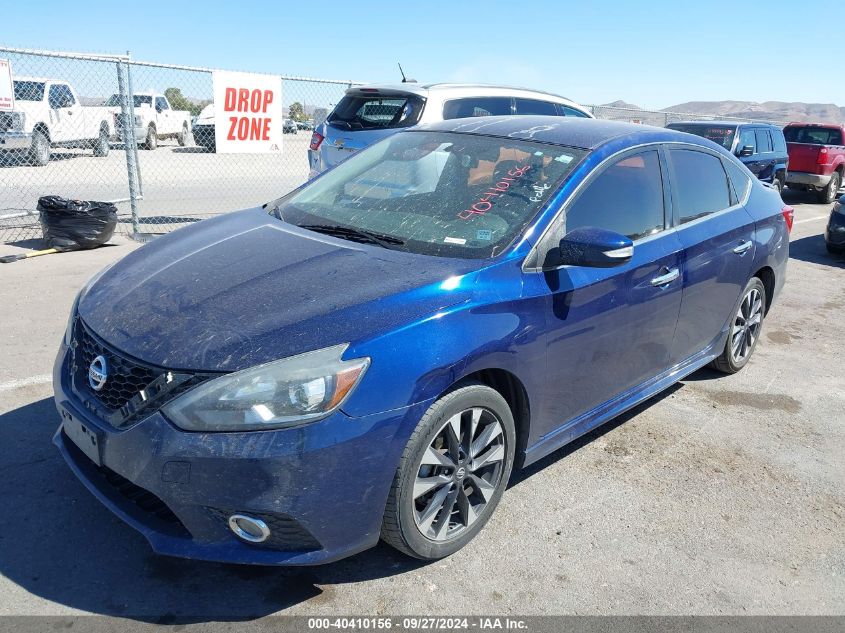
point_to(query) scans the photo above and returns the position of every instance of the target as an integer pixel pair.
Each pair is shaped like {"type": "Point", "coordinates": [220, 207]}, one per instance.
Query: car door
{"type": "Point", "coordinates": [765, 155]}
{"type": "Point", "coordinates": [65, 114]}
{"type": "Point", "coordinates": [164, 119]}
{"type": "Point", "coordinates": [717, 235]}
{"type": "Point", "coordinates": [748, 139]}
{"type": "Point", "coordinates": [611, 329]}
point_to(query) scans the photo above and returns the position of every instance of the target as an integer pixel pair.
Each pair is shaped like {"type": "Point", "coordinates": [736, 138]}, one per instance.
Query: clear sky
{"type": "Point", "coordinates": [654, 53]}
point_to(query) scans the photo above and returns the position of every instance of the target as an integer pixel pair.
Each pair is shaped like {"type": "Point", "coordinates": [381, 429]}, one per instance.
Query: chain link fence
{"type": "Point", "coordinates": [160, 168]}
{"type": "Point", "coordinates": [160, 176]}
{"type": "Point", "coordinates": [661, 118]}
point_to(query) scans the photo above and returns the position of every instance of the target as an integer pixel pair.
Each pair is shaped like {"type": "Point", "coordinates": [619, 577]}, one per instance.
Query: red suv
{"type": "Point", "coordinates": [816, 158]}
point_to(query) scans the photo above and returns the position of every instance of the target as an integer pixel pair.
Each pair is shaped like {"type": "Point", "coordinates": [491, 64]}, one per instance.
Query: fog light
{"type": "Point", "coordinates": [248, 528]}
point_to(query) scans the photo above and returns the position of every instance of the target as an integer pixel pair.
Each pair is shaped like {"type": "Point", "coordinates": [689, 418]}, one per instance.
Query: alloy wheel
{"type": "Point", "coordinates": [459, 473]}
{"type": "Point", "coordinates": [746, 325]}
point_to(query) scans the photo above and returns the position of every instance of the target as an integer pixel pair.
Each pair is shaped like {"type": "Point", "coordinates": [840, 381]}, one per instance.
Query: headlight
{"type": "Point", "coordinates": [280, 394]}
{"type": "Point", "coordinates": [17, 121]}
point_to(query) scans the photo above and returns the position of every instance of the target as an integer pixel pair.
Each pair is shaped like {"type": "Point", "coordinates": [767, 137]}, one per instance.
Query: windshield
{"type": "Point", "coordinates": [367, 112]}
{"type": "Point", "coordinates": [720, 134]}
{"type": "Point", "coordinates": [29, 90]}
{"type": "Point", "coordinates": [435, 193]}
{"type": "Point", "coordinates": [813, 135]}
{"type": "Point", "coordinates": [137, 100]}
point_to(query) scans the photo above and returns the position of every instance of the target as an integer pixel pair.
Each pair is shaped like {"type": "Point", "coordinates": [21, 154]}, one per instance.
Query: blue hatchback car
{"type": "Point", "coordinates": [372, 354]}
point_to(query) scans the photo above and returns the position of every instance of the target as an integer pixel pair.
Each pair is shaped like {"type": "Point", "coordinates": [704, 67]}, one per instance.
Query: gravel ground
{"type": "Point", "coordinates": [724, 495]}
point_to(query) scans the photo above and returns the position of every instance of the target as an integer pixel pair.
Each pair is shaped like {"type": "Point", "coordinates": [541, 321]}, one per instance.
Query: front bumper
{"type": "Point", "coordinates": [834, 232]}
{"type": "Point", "coordinates": [15, 140]}
{"type": "Point", "coordinates": [322, 488]}
{"type": "Point", "coordinates": [803, 178]}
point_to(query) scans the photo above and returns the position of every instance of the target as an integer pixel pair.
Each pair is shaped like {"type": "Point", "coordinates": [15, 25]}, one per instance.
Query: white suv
{"type": "Point", "coordinates": [367, 114]}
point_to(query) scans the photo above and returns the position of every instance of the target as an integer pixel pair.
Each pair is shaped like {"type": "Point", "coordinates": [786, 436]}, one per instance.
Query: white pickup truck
{"type": "Point", "coordinates": [47, 114]}
{"type": "Point", "coordinates": [154, 119]}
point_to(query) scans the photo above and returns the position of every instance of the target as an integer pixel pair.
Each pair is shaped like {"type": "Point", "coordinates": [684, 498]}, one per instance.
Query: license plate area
{"type": "Point", "coordinates": [85, 439]}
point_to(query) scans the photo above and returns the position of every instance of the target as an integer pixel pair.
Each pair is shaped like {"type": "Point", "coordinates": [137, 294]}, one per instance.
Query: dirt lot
{"type": "Point", "coordinates": [724, 495]}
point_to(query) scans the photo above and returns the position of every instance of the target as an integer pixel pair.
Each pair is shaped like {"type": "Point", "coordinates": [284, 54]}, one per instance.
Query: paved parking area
{"type": "Point", "coordinates": [724, 495]}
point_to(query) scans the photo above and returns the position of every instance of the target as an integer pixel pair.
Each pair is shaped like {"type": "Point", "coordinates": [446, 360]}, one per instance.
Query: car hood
{"type": "Point", "coordinates": [245, 288]}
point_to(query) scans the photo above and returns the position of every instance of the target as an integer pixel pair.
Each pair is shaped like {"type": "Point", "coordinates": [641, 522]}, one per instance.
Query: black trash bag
{"type": "Point", "coordinates": [70, 225]}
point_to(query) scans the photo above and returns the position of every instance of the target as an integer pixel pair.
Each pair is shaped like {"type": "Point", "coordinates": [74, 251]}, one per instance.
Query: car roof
{"type": "Point", "coordinates": [724, 123]}
{"type": "Point", "coordinates": [425, 89]}
{"type": "Point", "coordinates": [39, 79]}
{"type": "Point", "coordinates": [570, 131]}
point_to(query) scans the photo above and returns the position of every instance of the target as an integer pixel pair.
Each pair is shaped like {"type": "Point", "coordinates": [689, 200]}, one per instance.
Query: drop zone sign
{"type": "Point", "coordinates": [247, 113]}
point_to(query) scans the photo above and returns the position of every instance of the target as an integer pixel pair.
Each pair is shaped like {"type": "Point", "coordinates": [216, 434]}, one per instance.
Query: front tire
{"type": "Point", "coordinates": [828, 194]}
{"type": "Point", "coordinates": [746, 326]}
{"type": "Point", "coordinates": [452, 473]}
{"type": "Point", "coordinates": [101, 145]}
{"type": "Point", "coordinates": [182, 139]}
{"type": "Point", "coordinates": [39, 151]}
{"type": "Point", "coordinates": [151, 142]}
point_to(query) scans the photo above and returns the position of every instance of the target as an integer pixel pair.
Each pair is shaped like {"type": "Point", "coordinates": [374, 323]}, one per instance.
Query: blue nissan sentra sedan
{"type": "Point", "coordinates": [372, 354]}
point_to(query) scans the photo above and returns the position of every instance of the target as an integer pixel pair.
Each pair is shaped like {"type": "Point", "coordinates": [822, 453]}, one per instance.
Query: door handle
{"type": "Point", "coordinates": [667, 278]}
{"type": "Point", "coordinates": [743, 246]}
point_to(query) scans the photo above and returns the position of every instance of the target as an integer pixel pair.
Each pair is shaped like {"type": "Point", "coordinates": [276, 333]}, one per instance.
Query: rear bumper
{"type": "Point", "coordinates": [803, 178]}
{"type": "Point", "coordinates": [15, 140]}
{"type": "Point", "coordinates": [321, 488]}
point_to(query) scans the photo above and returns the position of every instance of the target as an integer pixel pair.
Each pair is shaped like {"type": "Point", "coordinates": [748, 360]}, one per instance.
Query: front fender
{"type": "Point", "coordinates": [494, 329]}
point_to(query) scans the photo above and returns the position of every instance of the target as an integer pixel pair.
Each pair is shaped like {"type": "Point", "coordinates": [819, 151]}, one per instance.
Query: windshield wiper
{"type": "Point", "coordinates": [355, 235]}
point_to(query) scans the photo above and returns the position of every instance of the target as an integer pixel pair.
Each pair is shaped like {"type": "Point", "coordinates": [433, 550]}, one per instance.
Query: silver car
{"type": "Point", "coordinates": [367, 114]}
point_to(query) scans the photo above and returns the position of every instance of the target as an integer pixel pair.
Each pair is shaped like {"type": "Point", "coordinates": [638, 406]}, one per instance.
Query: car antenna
{"type": "Point", "coordinates": [404, 80]}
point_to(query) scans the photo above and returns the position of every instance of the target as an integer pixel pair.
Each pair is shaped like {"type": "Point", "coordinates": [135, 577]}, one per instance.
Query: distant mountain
{"type": "Point", "coordinates": [771, 110]}
{"type": "Point", "coordinates": [621, 104]}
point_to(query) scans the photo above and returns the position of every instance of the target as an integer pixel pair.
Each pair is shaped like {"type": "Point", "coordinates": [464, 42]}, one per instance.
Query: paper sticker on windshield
{"type": "Point", "coordinates": [454, 240]}
{"type": "Point", "coordinates": [484, 235]}
{"type": "Point", "coordinates": [563, 158]}
{"type": "Point", "coordinates": [485, 202]}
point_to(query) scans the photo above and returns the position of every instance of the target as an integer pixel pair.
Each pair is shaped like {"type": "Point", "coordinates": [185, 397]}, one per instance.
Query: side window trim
{"type": "Point", "coordinates": [550, 235]}
{"type": "Point", "coordinates": [729, 182]}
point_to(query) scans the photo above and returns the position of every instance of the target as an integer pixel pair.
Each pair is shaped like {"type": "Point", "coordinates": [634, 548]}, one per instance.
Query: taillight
{"type": "Point", "coordinates": [316, 139]}
{"type": "Point", "coordinates": [822, 158]}
{"type": "Point", "coordinates": [788, 215]}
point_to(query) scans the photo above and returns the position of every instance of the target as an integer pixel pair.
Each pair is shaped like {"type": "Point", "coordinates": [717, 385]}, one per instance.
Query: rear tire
{"type": "Point", "coordinates": [452, 473]}
{"type": "Point", "coordinates": [778, 185]}
{"type": "Point", "coordinates": [39, 151]}
{"type": "Point", "coordinates": [183, 135]}
{"type": "Point", "coordinates": [101, 145]}
{"type": "Point", "coordinates": [828, 194]}
{"type": "Point", "coordinates": [151, 142]}
{"type": "Point", "coordinates": [745, 330]}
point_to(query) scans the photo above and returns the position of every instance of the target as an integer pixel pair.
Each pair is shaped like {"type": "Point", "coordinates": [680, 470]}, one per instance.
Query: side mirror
{"type": "Point", "coordinates": [747, 150]}
{"type": "Point", "coordinates": [158, 109]}
{"type": "Point", "coordinates": [597, 248]}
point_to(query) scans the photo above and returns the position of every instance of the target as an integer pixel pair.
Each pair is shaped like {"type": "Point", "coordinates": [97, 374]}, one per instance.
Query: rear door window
{"type": "Point", "coordinates": [369, 112]}
{"type": "Point", "coordinates": [764, 142]}
{"type": "Point", "coordinates": [567, 111]}
{"type": "Point", "coordinates": [476, 106]}
{"type": "Point", "coordinates": [535, 106]}
{"type": "Point", "coordinates": [779, 143]}
{"type": "Point", "coordinates": [740, 177]}
{"type": "Point", "coordinates": [627, 198]}
{"type": "Point", "coordinates": [699, 184]}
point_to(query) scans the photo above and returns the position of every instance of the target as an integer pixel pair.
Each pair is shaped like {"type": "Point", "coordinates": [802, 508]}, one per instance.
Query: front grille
{"type": "Point", "coordinates": [286, 533]}
{"type": "Point", "coordinates": [142, 504]}
{"type": "Point", "coordinates": [131, 387]}
{"type": "Point", "coordinates": [126, 378]}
